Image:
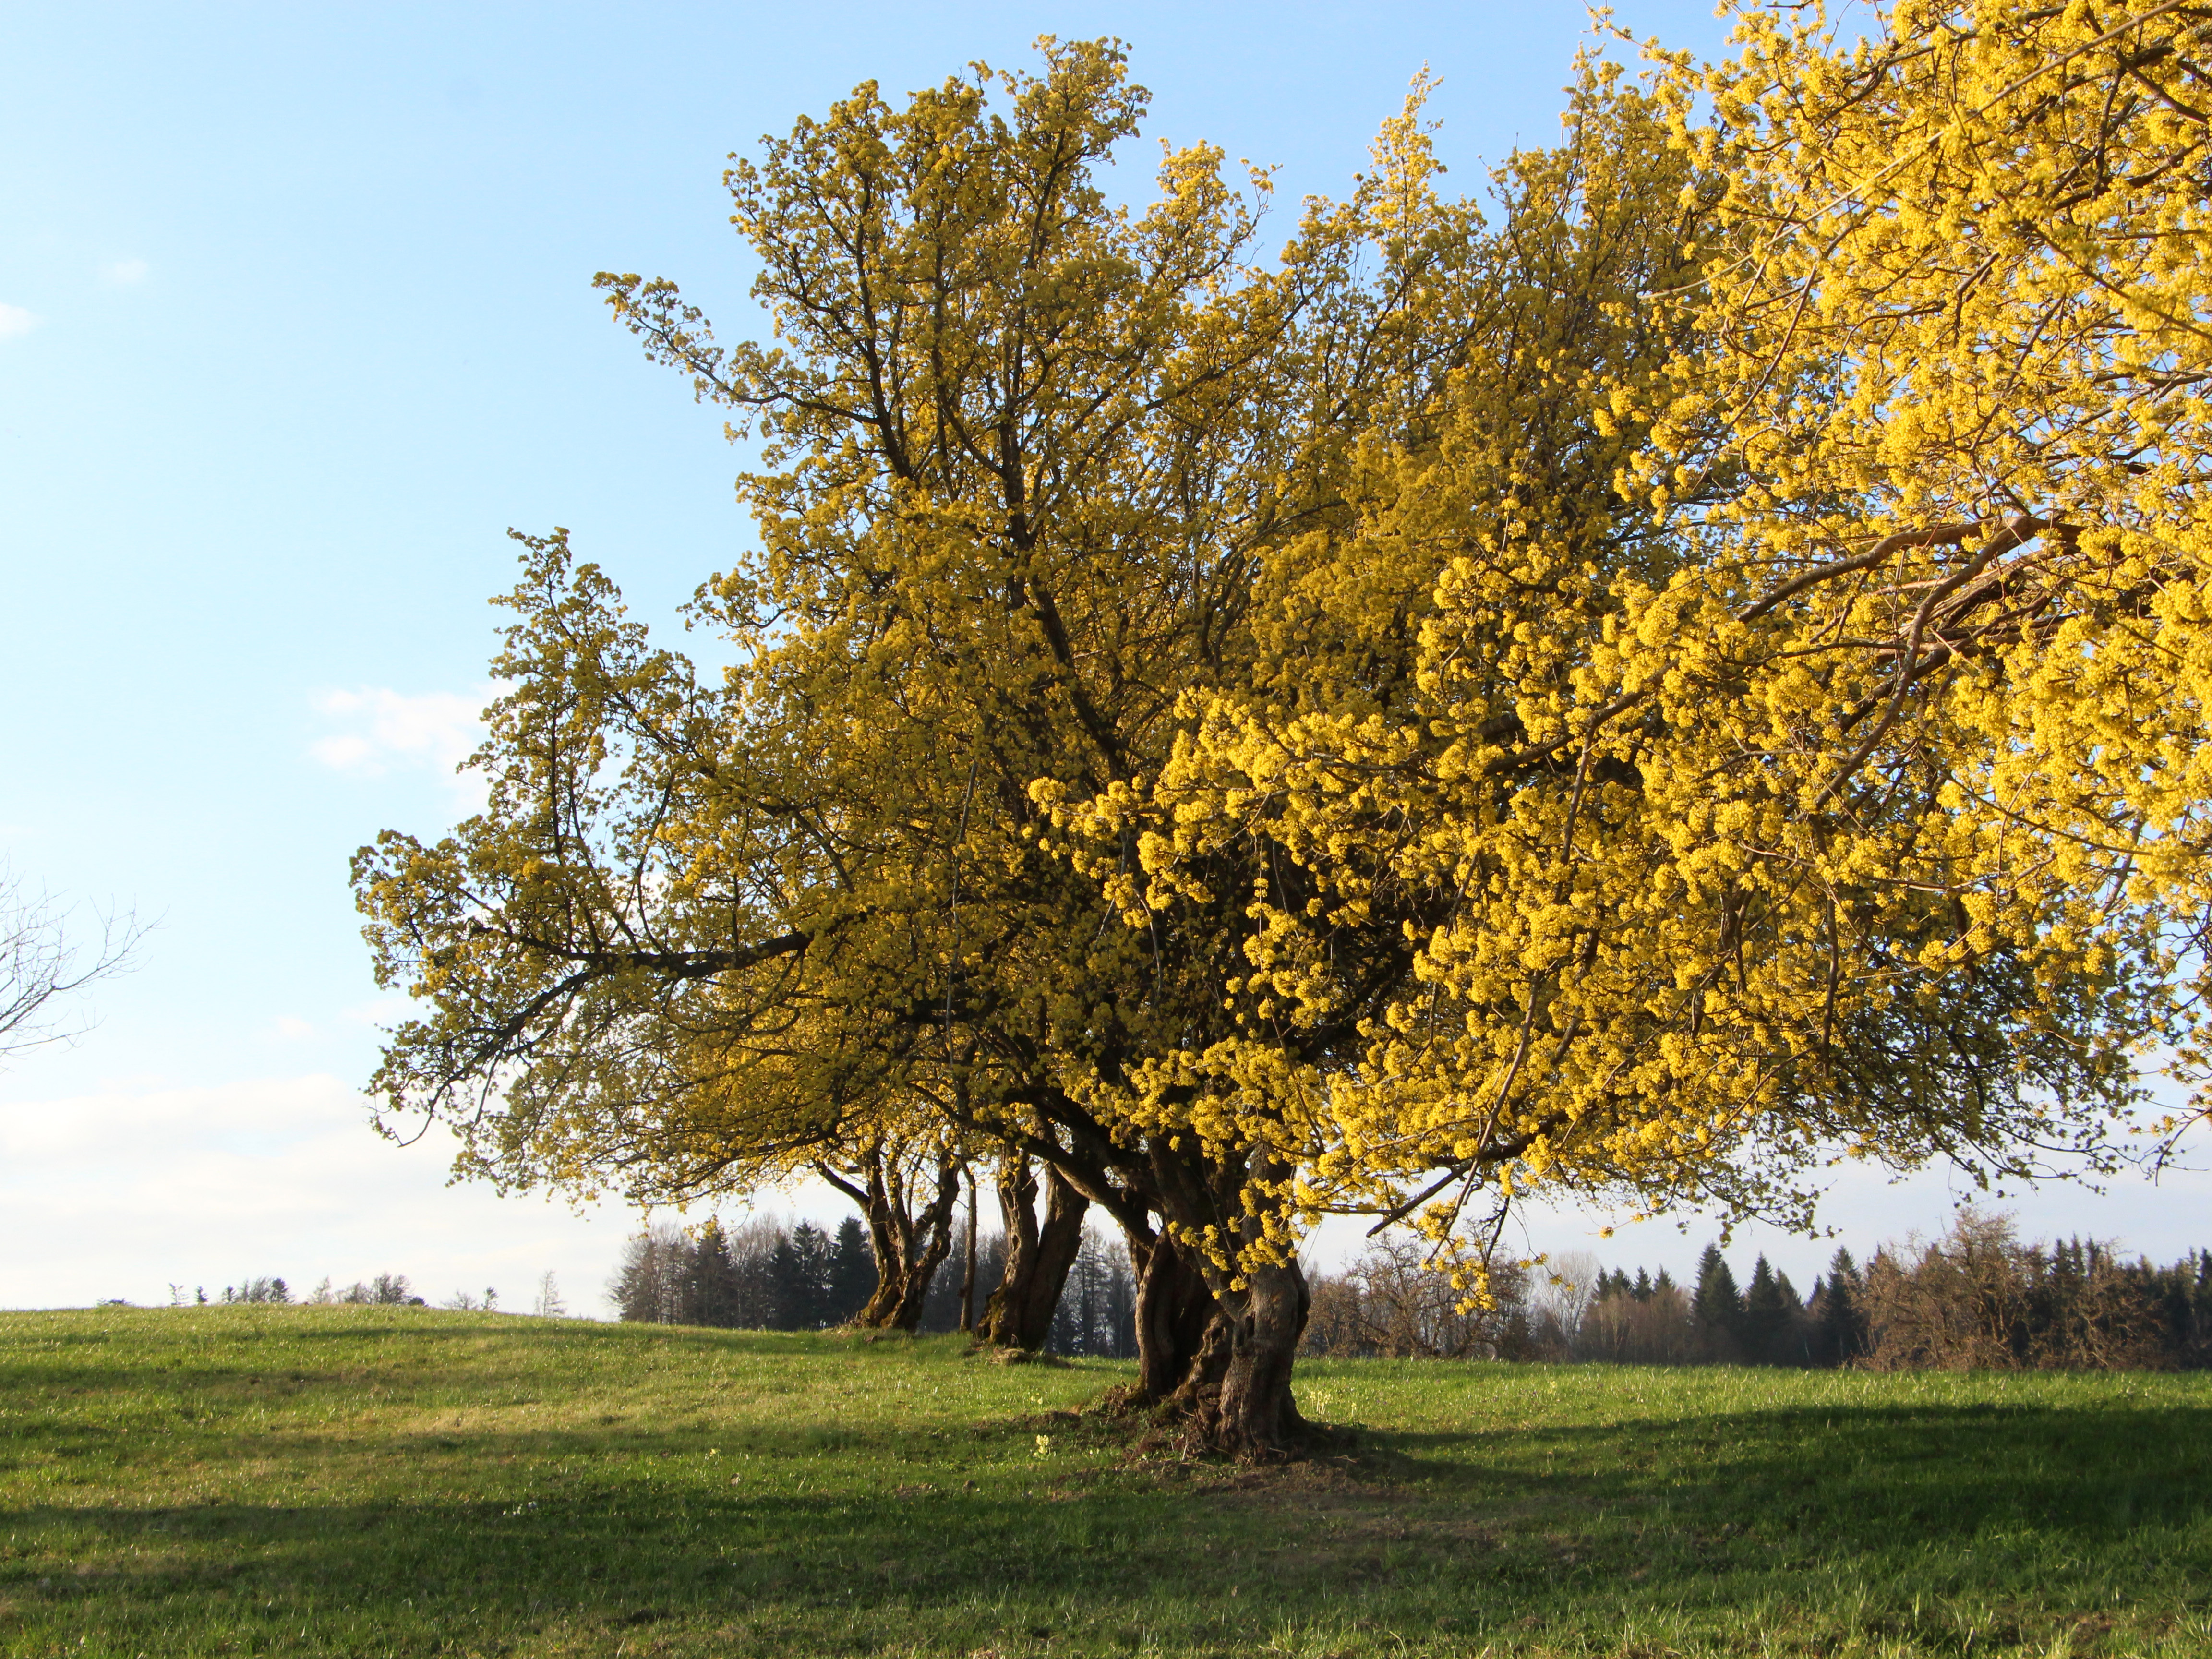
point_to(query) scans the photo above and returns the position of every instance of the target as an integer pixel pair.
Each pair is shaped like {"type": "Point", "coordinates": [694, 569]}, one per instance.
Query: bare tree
{"type": "Point", "coordinates": [1392, 1302]}
{"type": "Point", "coordinates": [651, 1282]}
{"type": "Point", "coordinates": [1979, 1299]}
{"type": "Point", "coordinates": [1649, 1325]}
{"type": "Point", "coordinates": [40, 965]}
{"type": "Point", "coordinates": [550, 1305]}
{"type": "Point", "coordinates": [1561, 1291]}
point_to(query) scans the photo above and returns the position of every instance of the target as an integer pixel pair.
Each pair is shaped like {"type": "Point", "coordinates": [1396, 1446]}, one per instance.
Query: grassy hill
{"type": "Point", "coordinates": [402, 1481]}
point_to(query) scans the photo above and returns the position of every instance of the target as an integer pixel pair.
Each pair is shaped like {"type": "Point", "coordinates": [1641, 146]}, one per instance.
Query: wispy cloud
{"type": "Point", "coordinates": [15, 320]}
{"type": "Point", "coordinates": [124, 273]}
{"type": "Point", "coordinates": [381, 730]}
{"type": "Point", "coordinates": [377, 1010]}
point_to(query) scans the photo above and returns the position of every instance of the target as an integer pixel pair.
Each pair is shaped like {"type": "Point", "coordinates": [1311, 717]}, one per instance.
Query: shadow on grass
{"type": "Point", "coordinates": [1856, 1478]}
{"type": "Point", "coordinates": [1527, 1522]}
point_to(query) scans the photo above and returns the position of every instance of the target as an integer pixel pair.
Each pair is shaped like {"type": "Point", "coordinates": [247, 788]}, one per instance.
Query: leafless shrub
{"type": "Point", "coordinates": [384, 1291]}
{"type": "Point", "coordinates": [550, 1304]}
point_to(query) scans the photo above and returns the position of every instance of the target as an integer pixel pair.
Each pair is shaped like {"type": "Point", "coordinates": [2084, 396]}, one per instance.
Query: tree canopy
{"type": "Point", "coordinates": [1678, 670]}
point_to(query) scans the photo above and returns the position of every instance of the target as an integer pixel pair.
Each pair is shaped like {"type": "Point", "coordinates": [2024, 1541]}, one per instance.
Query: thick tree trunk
{"type": "Point", "coordinates": [890, 1267]}
{"type": "Point", "coordinates": [1250, 1413]}
{"type": "Point", "coordinates": [1038, 1257]}
{"type": "Point", "coordinates": [926, 1241]}
{"type": "Point", "coordinates": [1231, 1383]}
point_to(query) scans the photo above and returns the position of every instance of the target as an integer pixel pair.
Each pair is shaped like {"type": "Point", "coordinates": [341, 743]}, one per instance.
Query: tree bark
{"type": "Point", "coordinates": [1038, 1257]}
{"type": "Point", "coordinates": [1232, 1383]}
{"type": "Point", "coordinates": [1250, 1412]}
{"type": "Point", "coordinates": [1174, 1311]}
{"type": "Point", "coordinates": [1214, 1349]}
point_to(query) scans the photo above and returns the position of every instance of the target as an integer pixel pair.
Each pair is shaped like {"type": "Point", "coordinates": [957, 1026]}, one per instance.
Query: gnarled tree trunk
{"type": "Point", "coordinates": [1223, 1341]}
{"type": "Point", "coordinates": [909, 1244]}
{"type": "Point", "coordinates": [1250, 1411]}
{"type": "Point", "coordinates": [1214, 1347]}
{"type": "Point", "coordinates": [1175, 1311]}
{"type": "Point", "coordinates": [1038, 1257]}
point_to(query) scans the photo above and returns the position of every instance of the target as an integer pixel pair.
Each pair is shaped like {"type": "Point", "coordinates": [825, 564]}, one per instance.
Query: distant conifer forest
{"type": "Point", "coordinates": [1976, 1299]}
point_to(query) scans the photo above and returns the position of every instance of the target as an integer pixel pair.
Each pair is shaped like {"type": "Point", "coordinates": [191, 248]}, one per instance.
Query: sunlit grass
{"type": "Point", "coordinates": [384, 1482]}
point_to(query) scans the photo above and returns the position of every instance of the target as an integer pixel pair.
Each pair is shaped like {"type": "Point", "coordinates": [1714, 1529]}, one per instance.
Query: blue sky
{"type": "Point", "coordinates": [295, 320]}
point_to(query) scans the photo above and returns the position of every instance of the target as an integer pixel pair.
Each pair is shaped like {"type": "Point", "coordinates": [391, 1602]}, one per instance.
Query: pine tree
{"type": "Point", "coordinates": [786, 1288]}
{"type": "Point", "coordinates": [852, 1271]}
{"type": "Point", "coordinates": [1716, 1308]}
{"type": "Point", "coordinates": [1774, 1320]}
{"type": "Point", "coordinates": [799, 1275]}
{"type": "Point", "coordinates": [1765, 1320]}
{"type": "Point", "coordinates": [1843, 1321]}
{"type": "Point", "coordinates": [711, 1291]}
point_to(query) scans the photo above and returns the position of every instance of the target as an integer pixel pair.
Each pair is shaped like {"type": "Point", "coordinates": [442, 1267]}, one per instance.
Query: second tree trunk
{"type": "Point", "coordinates": [1039, 1255]}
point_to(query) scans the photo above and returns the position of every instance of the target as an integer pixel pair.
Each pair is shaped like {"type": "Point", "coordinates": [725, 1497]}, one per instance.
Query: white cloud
{"type": "Point", "coordinates": [123, 1193]}
{"type": "Point", "coordinates": [15, 320]}
{"type": "Point", "coordinates": [382, 730]}
{"type": "Point", "coordinates": [293, 1029]}
{"type": "Point", "coordinates": [124, 273]}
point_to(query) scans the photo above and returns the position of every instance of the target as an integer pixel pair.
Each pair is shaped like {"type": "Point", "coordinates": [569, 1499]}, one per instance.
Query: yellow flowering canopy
{"type": "Point", "coordinates": [1793, 749]}
{"type": "Point", "coordinates": [1681, 671]}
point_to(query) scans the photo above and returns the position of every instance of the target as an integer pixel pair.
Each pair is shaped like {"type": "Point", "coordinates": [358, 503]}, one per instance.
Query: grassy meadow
{"type": "Point", "coordinates": [362, 1481]}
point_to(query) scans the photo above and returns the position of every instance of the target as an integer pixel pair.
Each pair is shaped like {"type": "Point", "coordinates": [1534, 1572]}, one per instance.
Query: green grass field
{"type": "Point", "coordinates": [401, 1481]}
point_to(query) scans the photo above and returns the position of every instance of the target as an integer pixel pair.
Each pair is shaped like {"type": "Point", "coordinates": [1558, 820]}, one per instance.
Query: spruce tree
{"type": "Point", "coordinates": [711, 1293]}
{"type": "Point", "coordinates": [1842, 1322]}
{"type": "Point", "coordinates": [786, 1290]}
{"type": "Point", "coordinates": [1765, 1320]}
{"type": "Point", "coordinates": [852, 1271]}
{"type": "Point", "coordinates": [798, 1274]}
{"type": "Point", "coordinates": [1776, 1329]}
{"type": "Point", "coordinates": [1716, 1308]}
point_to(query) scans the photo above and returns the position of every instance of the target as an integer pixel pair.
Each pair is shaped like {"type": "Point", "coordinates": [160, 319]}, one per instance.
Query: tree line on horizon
{"type": "Point", "coordinates": [765, 1275]}
{"type": "Point", "coordinates": [385, 1290]}
{"type": "Point", "coordinates": [1976, 1299]}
